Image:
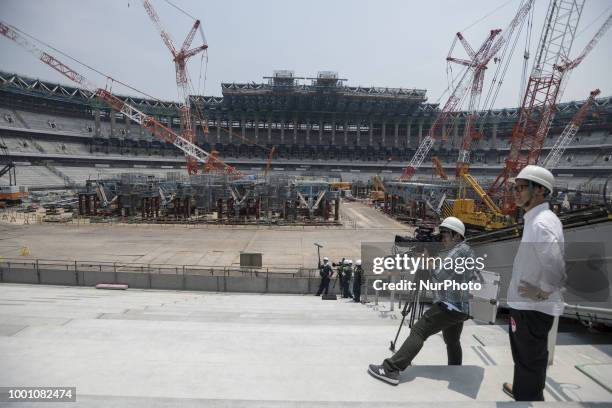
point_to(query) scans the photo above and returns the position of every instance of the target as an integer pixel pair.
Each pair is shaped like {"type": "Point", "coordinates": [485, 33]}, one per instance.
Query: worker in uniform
{"type": "Point", "coordinates": [447, 313]}
{"type": "Point", "coordinates": [348, 275]}
{"type": "Point", "coordinates": [340, 275]}
{"type": "Point", "coordinates": [357, 278]}
{"type": "Point", "coordinates": [325, 271]}
{"type": "Point", "coordinates": [538, 275]}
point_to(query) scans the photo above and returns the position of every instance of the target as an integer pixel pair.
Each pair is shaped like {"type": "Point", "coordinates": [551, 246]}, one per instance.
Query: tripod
{"type": "Point", "coordinates": [413, 305]}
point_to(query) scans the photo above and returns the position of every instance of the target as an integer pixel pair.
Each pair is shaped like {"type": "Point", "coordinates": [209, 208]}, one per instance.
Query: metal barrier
{"type": "Point", "coordinates": [160, 276]}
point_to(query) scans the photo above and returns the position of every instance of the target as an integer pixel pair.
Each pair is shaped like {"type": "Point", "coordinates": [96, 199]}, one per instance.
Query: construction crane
{"type": "Point", "coordinates": [465, 208]}
{"type": "Point", "coordinates": [542, 92]}
{"type": "Point", "coordinates": [552, 160]}
{"type": "Point", "coordinates": [438, 169]}
{"type": "Point", "coordinates": [180, 58]}
{"type": "Point", "coordinates": [156, 128]}
{"type": "Point", "coordinates": [473, 78]}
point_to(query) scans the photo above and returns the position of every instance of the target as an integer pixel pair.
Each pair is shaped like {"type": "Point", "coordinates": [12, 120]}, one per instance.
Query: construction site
{"type": "Point", "coordinates": [209, 218]}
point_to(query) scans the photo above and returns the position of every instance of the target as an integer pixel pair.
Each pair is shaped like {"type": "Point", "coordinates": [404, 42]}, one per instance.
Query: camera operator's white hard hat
{"type": "Point", "coordinates": [346, 262]}
{"type": "Point", "coordinates": [538, 175]}
{"type": "Point", "coordinates": [454, 224]}
{"type": "Point", "coordinates": [358, 262]}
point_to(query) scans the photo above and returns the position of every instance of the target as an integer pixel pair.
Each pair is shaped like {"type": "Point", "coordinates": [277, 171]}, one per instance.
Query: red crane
{"type": "Point", "coordinates": [473, 78]}
{"type": "Point", "coordinates": [542, 92]}
{"type": "Point", "coordinates": [154, 126]}
{"type": "Point", "coordinates": [180, 58]}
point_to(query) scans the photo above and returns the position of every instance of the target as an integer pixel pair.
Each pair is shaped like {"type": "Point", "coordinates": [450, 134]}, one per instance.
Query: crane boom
{"type": "Point", "coordinates": [542, 91]}
{"type": "Point", "coordinates": [471, 78]}
{"type": "Point", "coordinates": [182, 79]}
{"type": "Point", "coordinates": [602, 30]}
{"type": "Point", "coordinates": [154, 126]}
{"type": "Point", "coordinates": [552, 160]}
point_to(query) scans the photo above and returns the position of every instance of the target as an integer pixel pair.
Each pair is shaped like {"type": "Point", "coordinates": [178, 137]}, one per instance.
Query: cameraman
{"type": "Point", "coordinates": [447, 314]}
{"type": "Point", "coordinates": [325, 271]}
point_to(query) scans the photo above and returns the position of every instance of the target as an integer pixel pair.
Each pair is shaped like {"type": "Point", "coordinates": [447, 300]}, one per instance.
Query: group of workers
{"type": "Point", "coordinates": [350, 278]}
{"type": "Point", "coordinates": [534, 294]}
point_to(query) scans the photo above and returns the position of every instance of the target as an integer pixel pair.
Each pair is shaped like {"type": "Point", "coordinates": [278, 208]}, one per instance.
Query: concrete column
{"type": "Point", "coordinates": [384, 132]}
{"type": "Point", "coordinates": [396, 134]}
{"type": "Point", "coordinates": [269, 129]}
{"type": "Point", "coordinates": [494, 134]}
{"type": "Point", "coordinates": [320, 133]}
{"type": "Point", "coordinates": [420, 130]}
{"type": "Point", "coordinates": [333, 135]}
{"type": "Point", "coordinates": [257, 129]}
{"type": "Point", "coordinates": [230, 127]}
{"type": "Point", "coordinates": [218, 124]}
{"type": "Point", "coordinates": [112, 122]}
{"type": "Point", "coordinates": [242, 128]}
{"type": "Point", "coordinates": [97, 122]}
{"type": "Point", "coordinates": [128, 126]}
{"type": "Point", "coordinates": [345, 132]}
{"type": "Point", "coordinates": [358, 132]}
{"type": "Point", "coordinates": [308, 125]}
{"type": "Point", "coordinates": [371, 133]}
{"type": "Point", "coordinates": [295, 130]}
{"type": "Point", "coordinates": [408, 132]}
{"type": "Point", "coordinates": [283, 131]}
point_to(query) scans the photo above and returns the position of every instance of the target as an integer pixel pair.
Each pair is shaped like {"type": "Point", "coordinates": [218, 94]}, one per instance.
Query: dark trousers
{"type": "Point", "coordinates": [357, 290]}
{"type": "Point", "coordinates": [323, 286]}
{"type": "Point", "coordinates": [341, 285]}
{"type": "Point", "coordinates": [436, 319]}
{"type": "Point", "coordinates": [529, 343]}
{"type": "Point", "coordinates": [345, 287]}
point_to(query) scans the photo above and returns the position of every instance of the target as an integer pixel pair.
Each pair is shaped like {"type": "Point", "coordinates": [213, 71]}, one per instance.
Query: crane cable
{"type": "Point", "coordinates": [108, 77]}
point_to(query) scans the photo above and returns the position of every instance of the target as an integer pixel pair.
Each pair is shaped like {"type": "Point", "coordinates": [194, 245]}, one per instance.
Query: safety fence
{"type": "Point", "coordinates": [160, 276]}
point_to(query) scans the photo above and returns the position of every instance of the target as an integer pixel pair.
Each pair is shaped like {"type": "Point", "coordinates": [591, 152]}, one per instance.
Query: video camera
{"type": "Point", "coordinates": [422, 234]}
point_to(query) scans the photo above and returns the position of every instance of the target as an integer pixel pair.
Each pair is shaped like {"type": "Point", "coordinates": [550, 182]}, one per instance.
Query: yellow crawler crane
{"type": "Point", "coordinates": [378, 189]}
{"type": "Point", "coordinates": [465, 208]}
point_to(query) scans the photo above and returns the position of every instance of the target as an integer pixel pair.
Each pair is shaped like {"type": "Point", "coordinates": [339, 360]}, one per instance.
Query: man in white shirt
{"type": "Point", "coordinates": [538, 275]}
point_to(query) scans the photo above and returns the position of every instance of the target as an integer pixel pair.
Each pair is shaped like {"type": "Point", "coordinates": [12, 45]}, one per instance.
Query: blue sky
{"type": "Point", "coordinates": [388, 43]}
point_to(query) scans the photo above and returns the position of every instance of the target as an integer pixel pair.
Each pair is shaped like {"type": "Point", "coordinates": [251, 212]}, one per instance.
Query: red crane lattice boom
{"type": "Point", "coordinates": [156, 128]}
{"type": "Point", "coordinates": [180, 58]}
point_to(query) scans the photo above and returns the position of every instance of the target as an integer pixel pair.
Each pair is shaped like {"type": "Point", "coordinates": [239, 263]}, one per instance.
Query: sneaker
{"type": "Point", "coordinates": [379, 371]}
{"type": "Point", "coordinates": [507, 388]}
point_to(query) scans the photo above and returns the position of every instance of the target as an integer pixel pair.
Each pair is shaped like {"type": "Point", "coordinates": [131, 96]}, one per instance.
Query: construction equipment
{"type": "Point", "coordinates": [472, 77]}
{"type": "Point", "coordinates": [542, 93]}
{"type": "Point", "coordinates": [180, 58]}
{"type": "Point", "coordinates": [438, 169]}
{"type": "Point", "coordinates": [154, 126]}
{"type": "Point", "coordinates": [11, 193]}
{"type": "Point", "coordinates": [552, 160]}
{"type": "Point", "coordinates": [465, 208]}
{"type": "Point", "coordinates": [377, 193]}
{"type": "Point", "coordinates": [545, 86]}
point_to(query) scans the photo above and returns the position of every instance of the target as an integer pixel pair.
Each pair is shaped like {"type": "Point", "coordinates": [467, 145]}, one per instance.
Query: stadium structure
{"type": "Point", "coordinates": [59, 135]}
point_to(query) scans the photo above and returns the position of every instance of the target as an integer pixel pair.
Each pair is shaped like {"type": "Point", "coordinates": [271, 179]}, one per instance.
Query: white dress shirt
{"type": "Point", "coordinates": [540, 261]}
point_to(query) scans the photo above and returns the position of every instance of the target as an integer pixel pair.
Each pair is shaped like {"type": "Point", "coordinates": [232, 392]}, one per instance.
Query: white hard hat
{"type": "Point", "coordinates": [358, 262]}
{"type": "Point", "coordinates": [454, 224]}
{"type": "Point", "coordinates": [346, 262]}
{"type": "Point", "coordinates": [325, 258]}
{"type": "Point", "coordinates": [350, 261]}
{"type": "Point", "coordinates": [538, 175]}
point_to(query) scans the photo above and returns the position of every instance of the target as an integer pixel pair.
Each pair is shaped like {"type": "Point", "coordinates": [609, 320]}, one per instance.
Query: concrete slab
{"type": "Point", "coordinates": [289, 247]}
{"type": "Point", "coordinates": [600, 373]}
{"type": "Point", "coordinates": [146, 348]}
